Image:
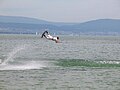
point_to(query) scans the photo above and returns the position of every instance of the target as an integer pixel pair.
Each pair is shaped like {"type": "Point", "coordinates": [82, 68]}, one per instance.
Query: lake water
{"type": "Point", "coordinates": [77, 63]}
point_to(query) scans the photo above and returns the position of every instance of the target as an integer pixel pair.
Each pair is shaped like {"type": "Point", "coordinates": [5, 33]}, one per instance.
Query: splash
{"type": "Point", "coordinates": [28, 65]}
{"type": "Point", "coordinates": [12, 54]}
{"type": "Point", "coordinates": [20, 65]}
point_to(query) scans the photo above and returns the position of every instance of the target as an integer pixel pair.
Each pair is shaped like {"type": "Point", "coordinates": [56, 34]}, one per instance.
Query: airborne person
{"type": "Point", "coordinates": [49, 37]}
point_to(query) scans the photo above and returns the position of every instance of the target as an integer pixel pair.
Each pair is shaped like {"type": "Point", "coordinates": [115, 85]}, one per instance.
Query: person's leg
{"type": "Point", "coordinates": [46, 32]}
{"type": "Point", "coordinates": [43, 35]}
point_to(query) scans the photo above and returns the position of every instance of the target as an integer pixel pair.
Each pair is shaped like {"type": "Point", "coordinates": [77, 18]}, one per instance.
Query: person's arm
{"type": "Point", "coordinates": [57, 41]}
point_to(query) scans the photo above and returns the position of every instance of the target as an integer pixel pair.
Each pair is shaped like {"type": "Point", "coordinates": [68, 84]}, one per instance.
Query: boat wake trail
{"type": "Point", "coordinates": [25, 66]}
{"type": "Point", "coordinates": [12, 54]}
{"type": "Point", "coordinates": [11, 64]}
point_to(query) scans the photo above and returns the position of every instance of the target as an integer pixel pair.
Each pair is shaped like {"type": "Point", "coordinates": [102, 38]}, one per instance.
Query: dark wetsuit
{"type": "Point", "coordinates": [43, 35]}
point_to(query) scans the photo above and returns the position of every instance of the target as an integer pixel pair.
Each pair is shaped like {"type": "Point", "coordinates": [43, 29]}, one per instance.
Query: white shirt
{"type": "Point", "coordinates": [49, 36]}
{"type": "Point", "coordinates": [55, 38]}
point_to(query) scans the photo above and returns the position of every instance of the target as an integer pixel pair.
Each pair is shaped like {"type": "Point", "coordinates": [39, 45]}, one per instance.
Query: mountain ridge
{"type": "Point", "coordinates": [29, 20]}
{"type": "Point", "coordinates": [31, 25]}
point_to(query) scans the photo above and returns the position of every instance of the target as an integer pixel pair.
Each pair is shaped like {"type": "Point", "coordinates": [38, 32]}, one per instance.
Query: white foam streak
{"type": "Point", "coordinates": [26, 66]}
{"type": "Point", "coordinates": [13, 53]}
{"type": "Point", "coordinates": [20, 65]}
{"type": "Point", "coordinates": [109, 62]}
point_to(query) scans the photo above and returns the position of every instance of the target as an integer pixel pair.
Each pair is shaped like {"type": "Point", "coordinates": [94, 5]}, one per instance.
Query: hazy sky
{"type": "Point", "coordinates": [62, 10]}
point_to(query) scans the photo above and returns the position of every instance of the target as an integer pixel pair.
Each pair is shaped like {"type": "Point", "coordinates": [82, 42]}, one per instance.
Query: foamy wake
{"type": "Point", "coordinates": [109, 62]}
{"type": "Point", "coordinates": [25, 66]}
{"type": "Point", "coordinates": [12, 54]}
{"type": "Point", "coordinates": [8, 63]}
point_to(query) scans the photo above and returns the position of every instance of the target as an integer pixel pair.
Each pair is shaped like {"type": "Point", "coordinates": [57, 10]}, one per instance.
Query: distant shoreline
{"type": "Point", "coordinates": [34, 33]}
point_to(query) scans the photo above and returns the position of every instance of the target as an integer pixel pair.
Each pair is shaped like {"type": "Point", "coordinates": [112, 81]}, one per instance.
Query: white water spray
{"type": "Point", "coordinates": [12, 54]}
{"type": "Point", "coordinates": [25, 65]}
